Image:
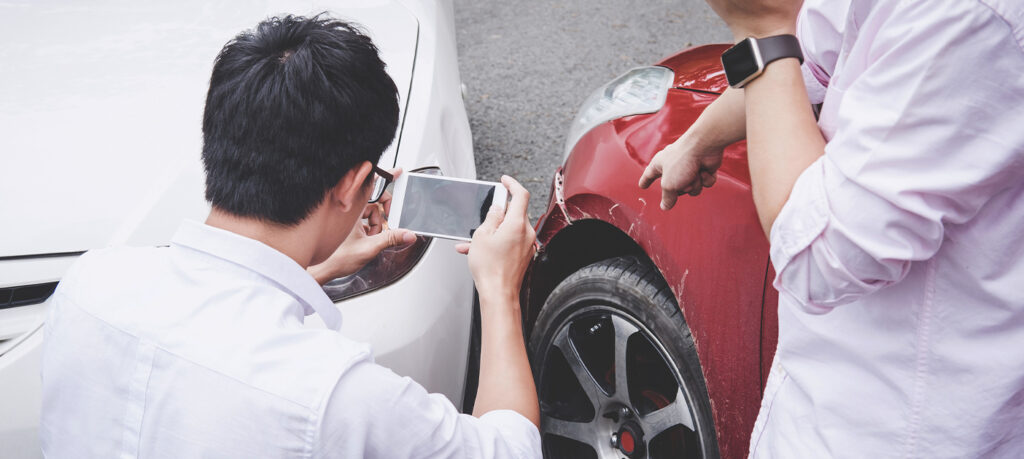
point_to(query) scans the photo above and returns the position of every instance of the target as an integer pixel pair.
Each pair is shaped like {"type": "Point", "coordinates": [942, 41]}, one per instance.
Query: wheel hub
{"type": "Point", "coordinates": [631, 440]}
{"type": "Point", "coordinates": [629, 436]}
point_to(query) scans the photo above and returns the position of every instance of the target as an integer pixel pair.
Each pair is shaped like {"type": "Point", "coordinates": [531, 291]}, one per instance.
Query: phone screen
{"type": "Point", "coordinates": [444, 207]}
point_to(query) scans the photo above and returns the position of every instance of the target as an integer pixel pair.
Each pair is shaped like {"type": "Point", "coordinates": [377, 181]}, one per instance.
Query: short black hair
{"type": "Point", "coordinates": [293, 105]}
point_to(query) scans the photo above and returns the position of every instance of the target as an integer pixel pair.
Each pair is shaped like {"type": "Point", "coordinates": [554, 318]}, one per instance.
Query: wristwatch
{"type": "Point", "coordinates": [748, 58]}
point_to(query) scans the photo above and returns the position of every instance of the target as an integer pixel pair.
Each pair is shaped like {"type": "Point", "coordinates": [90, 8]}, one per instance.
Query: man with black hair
{"type": "Point", "coordinates": [199, 349]}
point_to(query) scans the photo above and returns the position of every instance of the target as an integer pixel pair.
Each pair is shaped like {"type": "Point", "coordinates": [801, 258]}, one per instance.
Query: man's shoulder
{"type": "Point", "coordinates": [210, 316]}
{"type": "Point", "coordinates": [107, 266]}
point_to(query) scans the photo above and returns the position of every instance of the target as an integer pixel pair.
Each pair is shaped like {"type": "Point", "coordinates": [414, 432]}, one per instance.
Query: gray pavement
{"type": "Point", "coordinates": [528, 65]}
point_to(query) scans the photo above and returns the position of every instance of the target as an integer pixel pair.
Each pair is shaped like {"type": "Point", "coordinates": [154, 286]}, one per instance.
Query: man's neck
{"type": "Point", "coordinates": [292, 241]}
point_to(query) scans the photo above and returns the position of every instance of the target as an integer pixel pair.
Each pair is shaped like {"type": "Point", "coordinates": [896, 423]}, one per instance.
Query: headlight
{"type": "Point", "coordinates": [388, 267]}
{"type": "Point", "coordinates": [636, 92]}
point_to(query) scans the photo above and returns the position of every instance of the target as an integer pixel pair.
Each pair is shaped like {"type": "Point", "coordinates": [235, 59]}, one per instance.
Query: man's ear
{"type": "Point", "coordinates": [349, 190]}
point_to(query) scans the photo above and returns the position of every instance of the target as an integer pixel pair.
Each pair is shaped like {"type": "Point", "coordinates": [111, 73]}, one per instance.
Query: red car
{"type": "Point", "coordinates": [651, 332]}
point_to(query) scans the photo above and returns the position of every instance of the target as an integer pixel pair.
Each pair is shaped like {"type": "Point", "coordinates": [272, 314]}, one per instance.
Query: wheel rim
{"type": "Point", "coordinates": [608, 390]}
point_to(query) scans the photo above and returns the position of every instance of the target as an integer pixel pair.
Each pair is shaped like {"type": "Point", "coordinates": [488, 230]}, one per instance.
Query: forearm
{"type": "Point", "coordinates": [782, 136]}
{"type": "Point", "coordinates": [723, 122]}
{"type": "Point", "coordinates": [506, 382]}
{"type": "Point", "coordinates": [320, 274]}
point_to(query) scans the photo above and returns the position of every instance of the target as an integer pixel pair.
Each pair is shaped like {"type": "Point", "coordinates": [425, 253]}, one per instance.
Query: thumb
{"type": "Point", "coordinates": [392, 238]}
{"type": "Point", "coordinates": [494, 218]}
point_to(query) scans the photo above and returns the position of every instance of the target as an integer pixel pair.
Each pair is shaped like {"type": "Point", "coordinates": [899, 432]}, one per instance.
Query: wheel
{"type": "Point", "coordinates": [616, 368]}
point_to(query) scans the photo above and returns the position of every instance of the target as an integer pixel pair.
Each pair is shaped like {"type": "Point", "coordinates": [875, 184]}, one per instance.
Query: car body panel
{"type": "Point", "coordinates": [709, 249]}
{"type": "Point", "coordinates": [102, 92]}
{"type": "Point", "coordinates": [699, 68]}
{"type": "Point", "coordinates": [417, 326]}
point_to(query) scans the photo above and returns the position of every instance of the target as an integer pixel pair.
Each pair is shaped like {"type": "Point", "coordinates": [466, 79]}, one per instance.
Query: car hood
{"type": "Point", "coordinates": [101, 109]}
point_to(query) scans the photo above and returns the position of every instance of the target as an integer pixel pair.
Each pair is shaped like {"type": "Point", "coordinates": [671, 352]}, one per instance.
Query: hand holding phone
{"type": "Point", "coordinates": [502, 246]}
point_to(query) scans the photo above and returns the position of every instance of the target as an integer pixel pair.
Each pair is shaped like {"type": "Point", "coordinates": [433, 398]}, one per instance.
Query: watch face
{"type": "Point", "coordinates": [739, 62]}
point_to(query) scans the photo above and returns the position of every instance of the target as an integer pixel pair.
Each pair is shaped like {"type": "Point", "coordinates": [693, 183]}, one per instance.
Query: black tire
{"type": "Point", "coordinates": [619, 300]}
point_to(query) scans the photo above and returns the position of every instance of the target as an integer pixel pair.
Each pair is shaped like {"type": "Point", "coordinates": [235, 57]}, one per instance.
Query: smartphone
{"type": "Point", "coordinates": [436, 206]}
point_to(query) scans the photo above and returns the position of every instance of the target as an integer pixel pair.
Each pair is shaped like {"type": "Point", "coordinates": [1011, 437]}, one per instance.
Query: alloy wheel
{"type": "Point", "coordinates": [608, 390]}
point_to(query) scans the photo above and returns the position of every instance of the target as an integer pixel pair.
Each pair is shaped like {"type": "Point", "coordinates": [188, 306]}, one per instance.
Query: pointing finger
{"type": "Point", "coordinates": [651, 173]}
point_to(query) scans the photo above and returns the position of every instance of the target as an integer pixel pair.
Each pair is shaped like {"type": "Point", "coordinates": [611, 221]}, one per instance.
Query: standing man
{"type": "Point", "coordinates": [895, 219]}
{"type": "Point", "coordinates": [199, 349]}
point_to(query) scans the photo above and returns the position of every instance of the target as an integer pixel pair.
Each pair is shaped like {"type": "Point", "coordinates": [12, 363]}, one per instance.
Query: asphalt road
{"type": "Point", "coordinates": [529, 64]}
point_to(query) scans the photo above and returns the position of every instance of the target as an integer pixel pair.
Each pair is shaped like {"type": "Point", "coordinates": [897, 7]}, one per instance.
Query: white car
{"type": "Point", "coordinates": [100, 116]}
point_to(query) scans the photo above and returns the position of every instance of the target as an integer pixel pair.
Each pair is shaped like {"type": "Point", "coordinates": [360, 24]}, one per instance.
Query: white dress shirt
{"type": "Point", "coordinates": [199, 349]}
{"type": "Point", "coordinates": [900, 253]}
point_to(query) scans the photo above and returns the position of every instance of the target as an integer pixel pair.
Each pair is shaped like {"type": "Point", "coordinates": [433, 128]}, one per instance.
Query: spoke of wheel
{"type": "Point", "coordinates": [579, 431]}
{"type": "Point", "coordinates": [586, 380]}
{"type": "Point", "coordinates": [623, 330]}
{"type": "Point", "coordinates": [674, 413]}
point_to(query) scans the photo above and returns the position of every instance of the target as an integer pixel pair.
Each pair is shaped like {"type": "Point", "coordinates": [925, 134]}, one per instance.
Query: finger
{"type": "Point", "coordinates": [494, 218]}
{"type": "Point", "coordinates": [385, 203]}
{"type": "Point", "coordinates": [385, 198]}
{"type": "Point", "coordinates": [393, 238]}
{"type": "Point", "coordinates": [462, 247]}
{"type": "Point", "coordinates": [651, 173]}
{"type": "Point", "coordinates": [695, 191]}
{"type": "Point", "coordinates": [708, 178]}
{"type": "Point", "coordinates": [367, 211]}
{"type": "Point", "coordinates": [376, 216]}
{"type": "Point", "coordinates": [668, 199]}
{"type": "Point", "coordinates": [681, 190]}
{"type": "Point", "coordinates": [516, 211]}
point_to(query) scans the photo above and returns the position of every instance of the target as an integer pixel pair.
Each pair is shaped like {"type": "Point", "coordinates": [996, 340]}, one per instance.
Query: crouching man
{"type": "Point", "coordinates": [199, 349]}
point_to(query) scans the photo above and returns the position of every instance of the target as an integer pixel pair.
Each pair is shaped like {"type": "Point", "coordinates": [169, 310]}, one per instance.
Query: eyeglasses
{"type": "Point", "coordinates": [380, 183]}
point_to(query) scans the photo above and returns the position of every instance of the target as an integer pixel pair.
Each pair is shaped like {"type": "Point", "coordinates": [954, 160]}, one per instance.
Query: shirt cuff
{"type": "Point", "coordinates": [801, 221]}
{"type": "Point", "coordinates": [816, 86]}
{"type": "Point", "coordinates": [803, 217]}
{"type": "Point", "coordinates": [524, 436]}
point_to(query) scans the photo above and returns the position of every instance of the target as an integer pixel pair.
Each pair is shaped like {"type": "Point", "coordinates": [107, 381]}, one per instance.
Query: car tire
{"type": "Point", "coordinates": [618, 316]}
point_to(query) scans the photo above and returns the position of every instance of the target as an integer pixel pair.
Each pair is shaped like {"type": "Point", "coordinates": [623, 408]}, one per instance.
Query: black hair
{"type": "Point", "coordinates": [293, 105]}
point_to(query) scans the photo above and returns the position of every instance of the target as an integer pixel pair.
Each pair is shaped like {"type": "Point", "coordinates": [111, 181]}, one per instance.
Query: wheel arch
{"type": "Point", "coordinates": [572, 247]}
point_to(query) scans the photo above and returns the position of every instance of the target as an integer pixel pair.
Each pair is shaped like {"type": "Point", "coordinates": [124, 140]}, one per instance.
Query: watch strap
{"type": "Point", "coordinates": [779, 47]}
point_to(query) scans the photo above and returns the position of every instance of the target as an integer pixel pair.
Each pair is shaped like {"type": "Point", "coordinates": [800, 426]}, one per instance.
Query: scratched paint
{"type": "Point", "coordinates": [710, 248]}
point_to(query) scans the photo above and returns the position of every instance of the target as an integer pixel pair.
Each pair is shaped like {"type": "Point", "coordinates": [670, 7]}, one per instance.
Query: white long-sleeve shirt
{"type": "Point", "coordinates": [900, 253]}
{"type": "Point", "coordinates": [198, 350]}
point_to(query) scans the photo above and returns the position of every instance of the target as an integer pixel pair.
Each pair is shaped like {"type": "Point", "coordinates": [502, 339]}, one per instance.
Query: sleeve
{"type": "Point", "coordinates": [925, 134]}
{"type": "Point", "coordinates": [820, 30]}
{"type": "Point", "coordinates": [375, 413]}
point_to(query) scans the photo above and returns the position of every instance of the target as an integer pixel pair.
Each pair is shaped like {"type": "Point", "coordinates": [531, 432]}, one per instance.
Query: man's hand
{"type": "Point", "coordinates": [685, 166]}
{"type": "Point", "coordinates": [364, 243]}
{"type": "Point", "coordinates": [689, 164]}
{"type": "Point", "coordinates": [758, 18]}
{"type": "Point", "coordinates": [501, 250]}
{"type": "Point", "coordinates": [502, 246]}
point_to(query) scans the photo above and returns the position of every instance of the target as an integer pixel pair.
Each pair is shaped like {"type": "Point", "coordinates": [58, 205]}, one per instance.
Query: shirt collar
{"type": "Point", "coordinates": [264, 260]}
